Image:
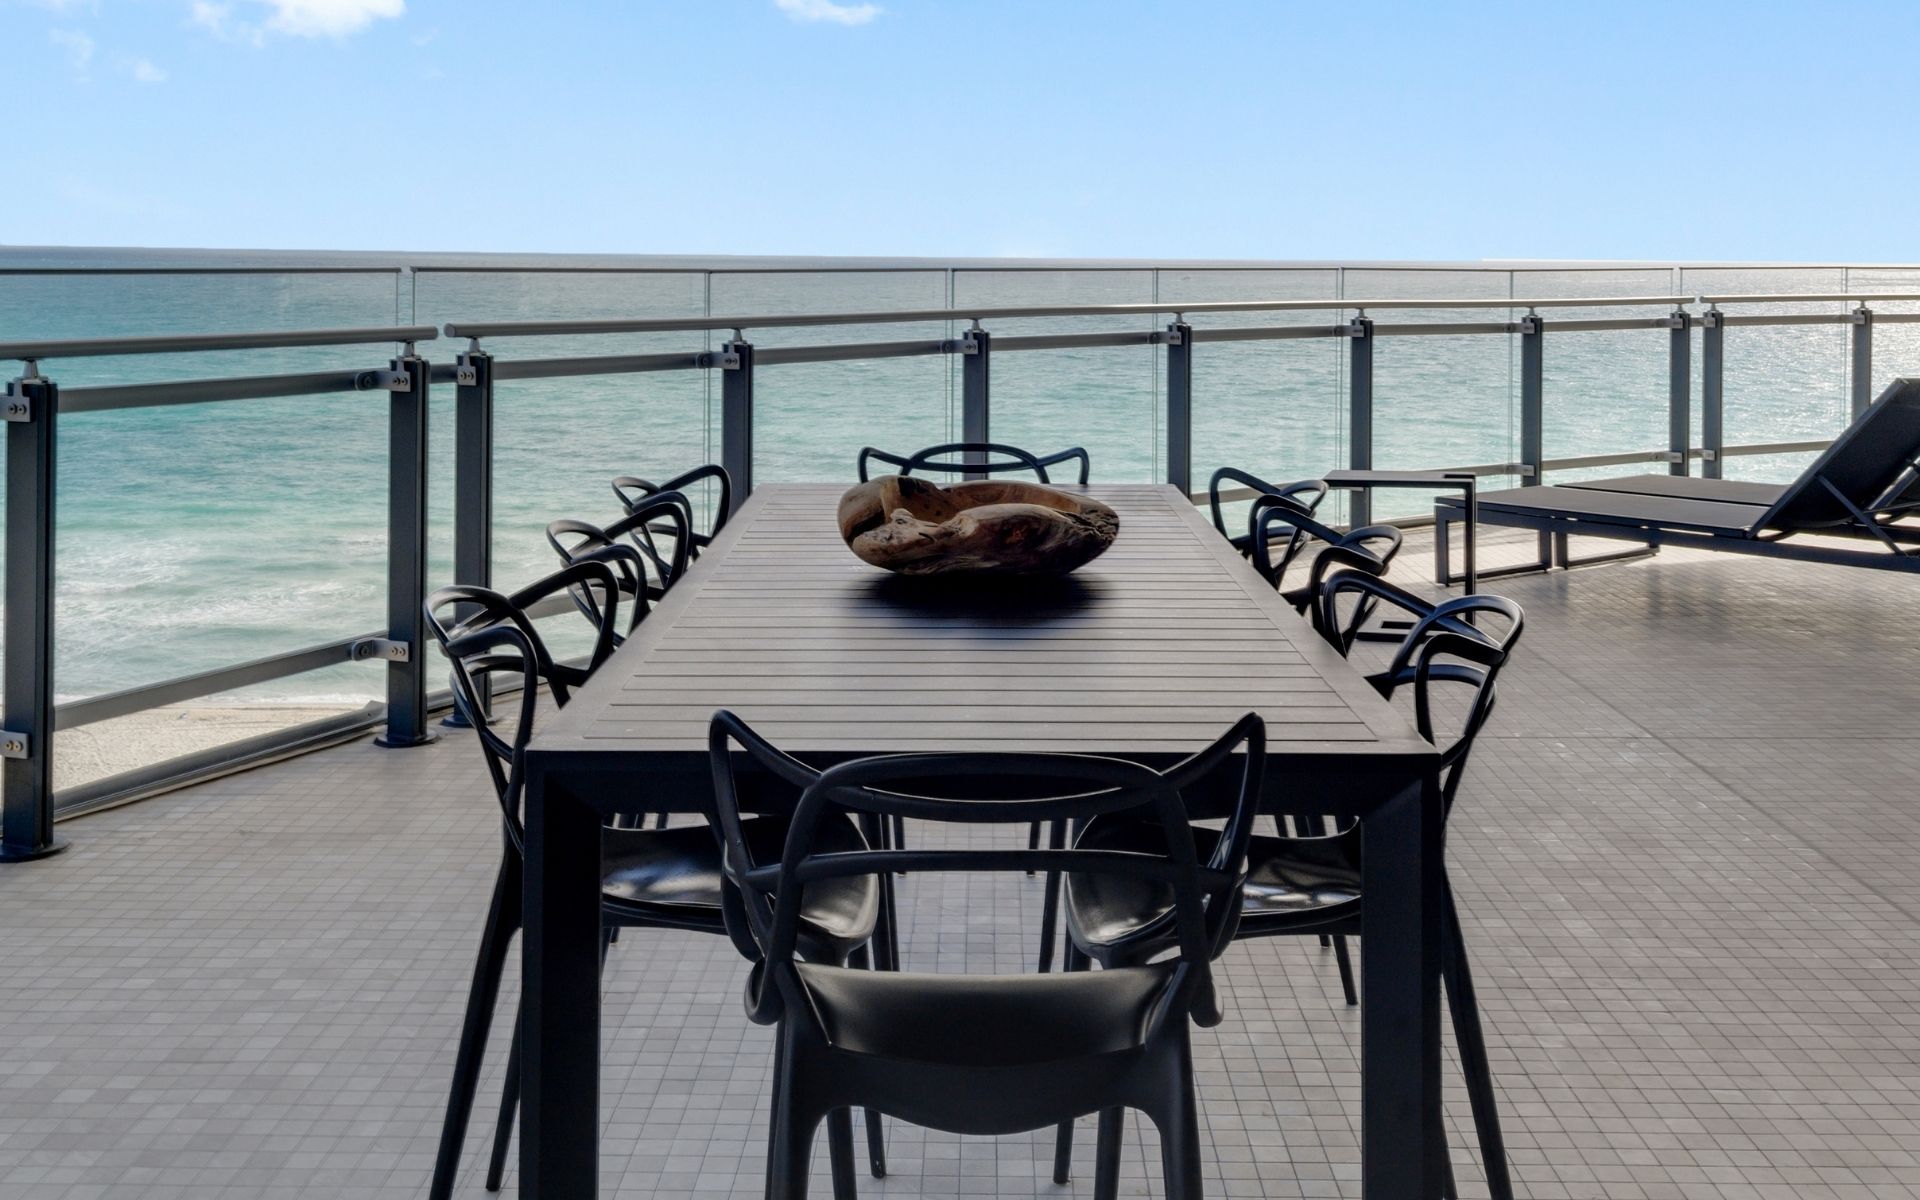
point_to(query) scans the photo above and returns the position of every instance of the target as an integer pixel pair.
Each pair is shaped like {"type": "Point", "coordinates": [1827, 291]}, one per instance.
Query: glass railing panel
{"type": "Point", "coordinates": [1274, 408]}
{"type": "Point", "coordinates": [196, 537]}
{"type": "Point", "coordinates": [811, 419]}
{"type": "Point", "coordinates": [1781, 383]}
{"type": "Point", "coordinates": [1896, 344]}
{"type": "Point", "coordinates": [1439, 400]}
{"type": "Point", "coordinates": [1603, 391]}
{"type": "Point", "coordinates": [1105, 398]}
{"type": "Point", "coordinates": [558, 442]}
{"type": "Point", "coordinates": [101, 306]}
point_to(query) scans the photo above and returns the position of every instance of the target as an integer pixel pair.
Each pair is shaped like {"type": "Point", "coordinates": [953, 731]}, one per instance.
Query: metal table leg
{"type": "Point", "coordinates": [560, 1000]}
{"type": "Point", "coordinates": [1403, 1152]}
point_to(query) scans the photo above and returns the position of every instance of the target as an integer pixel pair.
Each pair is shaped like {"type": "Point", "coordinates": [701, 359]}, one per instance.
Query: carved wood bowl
{"type": "Point", "coordinates": [984, 527]}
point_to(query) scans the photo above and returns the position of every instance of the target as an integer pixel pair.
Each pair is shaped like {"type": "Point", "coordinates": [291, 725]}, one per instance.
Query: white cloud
{"type": "Point", "coordinates": [827, 10]}
{"type": "Point", "coordinates": [79, 48]}
{"type": "Point", "coordinates": [143, 71]}
{"type": "Point", "coordinates": [63, 6]}
{"type": "Point", "coordinates": [295, 18]}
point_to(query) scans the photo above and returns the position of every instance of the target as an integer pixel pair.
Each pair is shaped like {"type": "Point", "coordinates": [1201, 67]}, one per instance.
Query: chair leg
{"type": "Point", "coordinates": [1033, 840]}
{"type": "Point", "coordinates": [1050, 903]}
{"type": "Point", "coordinates": [789, 1136]}
{"type": "Point", "coordinates": [1180, 1144]}
{"type": "Point", "coordinates": [1071, 959]}
{"type": "Point", "coordinates": [1063, 1153]}
{"type": "Point", "coordinates": [876, 1144]}
{"type": "Point", "coordinates": [840, 1153]}
{"type": "Point", "coordinates": [862, 959]}
{"type": "Point", "coordinates": [1473, 1055]}
{"type": "Point", "coordinates": [1106, 1156]}
{"type": "Point", "coordinates": [503, 918]}
{"type": "Point", "coordinates": [509, 1104]}
{"type": "Point", "coordinates": [1345, 963]}
{"type": "Point", "coordinates": [659, 820]}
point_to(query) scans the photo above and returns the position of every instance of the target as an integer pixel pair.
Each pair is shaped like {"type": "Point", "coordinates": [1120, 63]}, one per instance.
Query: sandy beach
{"type": "Point", "coordinates": [95, 751]}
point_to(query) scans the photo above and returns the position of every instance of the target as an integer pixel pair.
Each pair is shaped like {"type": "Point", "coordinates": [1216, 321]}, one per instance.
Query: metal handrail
{"type": "Point", "coordinates": [499, 329]}
{"type": "Point", "coordinates": [1860, 297]}
{"type": "Point", "coordinates": [180, 343]}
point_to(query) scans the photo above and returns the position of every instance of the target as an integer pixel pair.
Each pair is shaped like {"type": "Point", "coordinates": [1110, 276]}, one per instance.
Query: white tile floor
{"type": "Point", "coordinates": [1686, 855]}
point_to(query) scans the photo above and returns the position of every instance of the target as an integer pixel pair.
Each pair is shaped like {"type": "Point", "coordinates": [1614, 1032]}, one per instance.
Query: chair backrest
{"type": "Point", "coordinates": [1369, 549]}
{"type": "Point", "coordinates": [1459, 644]}
{"type": "Point", "coordinates": [632, 491]}
{"type": "Point", "coordinates": [1283, 519]}
{"type": "Point", "coordinates": [1866, 464]}
{"type": "Point", "coordinates": [637, 560]}
{"type": "Point", "coordinates": [487, 636]}
{"type": "Point", "coordinates": [949, 788]}
{"type": "Point", "coordinates": [1304, 495]}
{"type": "Point", "coordinates": [934, 458]}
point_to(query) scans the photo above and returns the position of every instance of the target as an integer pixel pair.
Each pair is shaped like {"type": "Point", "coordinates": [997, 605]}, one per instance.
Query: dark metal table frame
{"type": "Point", "coordinates": [574, 782]}
{"type": "Point", "coordinates": [1465, 482]}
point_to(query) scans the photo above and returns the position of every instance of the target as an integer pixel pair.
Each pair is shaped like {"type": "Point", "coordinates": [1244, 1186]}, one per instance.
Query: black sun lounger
{"type": "Point", "coordinates": [1859, 488]}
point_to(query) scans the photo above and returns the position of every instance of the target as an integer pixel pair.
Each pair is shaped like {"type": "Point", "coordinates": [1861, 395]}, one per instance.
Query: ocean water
{"type": "Point", "coordinates": [192, 537]}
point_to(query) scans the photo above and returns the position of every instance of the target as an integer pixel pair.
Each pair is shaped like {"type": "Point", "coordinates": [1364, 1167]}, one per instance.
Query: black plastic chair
{"type": "Point", "coordinates": [999, 1054]}
{"type": "Point", "coordinates": [666, 879]}
{"type": "Point", "coordinates": [1303, 494]}
{"type": "Point", "coordinates": [1306, 885]}
{"type": "Point", "coordinates": [632, 491]}
{"type": "Point", "coordinates": [1015, 460]}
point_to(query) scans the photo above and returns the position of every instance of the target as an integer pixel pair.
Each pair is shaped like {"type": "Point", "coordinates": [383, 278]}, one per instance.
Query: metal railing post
{"type": "Point", "coordinates": [1862, 359]}
{"type": "Point", "coordinates": [975, 361]}
{"type": "Point", "coordinates": [1533, 412]}
{"type": "Point", "coordinates": [1713, 413]}
{"type": "Point", "coordinates": [26, 781]}
{"type": "Point", "coordinates": [473, 486]}
{"type": "Point", "coordinates": [405, 645]}
{"type": "Point", "coordinates": [736, 415]}
{"type": "Point", "coordinates": [1180, 406]}
{"type": "Point", "coordinates": [1360, 415]}
{"type": "Point", "coordinates": [1679, 390]}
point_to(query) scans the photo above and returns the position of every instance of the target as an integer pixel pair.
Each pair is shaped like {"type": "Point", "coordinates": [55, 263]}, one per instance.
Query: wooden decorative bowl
{"type": "Point", "coordinates": [1001, 527]}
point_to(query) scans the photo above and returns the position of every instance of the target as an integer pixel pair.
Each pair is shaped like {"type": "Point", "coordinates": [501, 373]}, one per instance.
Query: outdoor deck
{"type": "Point", "coordinates": [1685, 855]}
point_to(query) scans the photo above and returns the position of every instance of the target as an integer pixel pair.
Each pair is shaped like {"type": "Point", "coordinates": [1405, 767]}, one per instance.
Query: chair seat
{"type": "Point", "coordinates": [986, 1020]}
{"type": "Point", "coordinates": [1293, 885]}
{"type": "Point", "coordinates": [672, 877]}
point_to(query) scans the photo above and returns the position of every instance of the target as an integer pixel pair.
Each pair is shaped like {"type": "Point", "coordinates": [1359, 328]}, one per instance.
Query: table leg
{"type": "Point", "coordinates": [1402, 1147]}
{"type": "Point", "coordinates": [1472, 492]}
{"type": "Point", "coordinates": [560, 997]}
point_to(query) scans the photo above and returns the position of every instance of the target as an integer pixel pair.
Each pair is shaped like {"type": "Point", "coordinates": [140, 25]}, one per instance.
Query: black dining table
{"type": "Point", "coordinates": [1147, 653]}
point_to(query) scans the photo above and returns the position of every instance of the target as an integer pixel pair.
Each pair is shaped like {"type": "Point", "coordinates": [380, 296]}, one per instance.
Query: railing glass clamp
{"type": "Point", "coordinates": [385, 649]}
{"type": "Point", "coordinates": [466, 376]}
{"type": "Point", "coordinates": [384, 381]}
{"type": "Point", "coordinates": [15, 405]}
{"type": "Point", "coordinates": [15, 745]}
{"type": "Point", "coordinates": [969, 343]}
{"type": "Point", "coordinates": [1359, 327]}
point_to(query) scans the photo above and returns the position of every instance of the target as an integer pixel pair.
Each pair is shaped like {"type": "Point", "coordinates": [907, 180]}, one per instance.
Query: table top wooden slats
{"type": "Point", "coordinates": [1152, 649]}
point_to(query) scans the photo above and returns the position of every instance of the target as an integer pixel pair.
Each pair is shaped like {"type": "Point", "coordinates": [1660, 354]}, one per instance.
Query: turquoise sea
{"type": "Point", "coordinates": [197, 536]}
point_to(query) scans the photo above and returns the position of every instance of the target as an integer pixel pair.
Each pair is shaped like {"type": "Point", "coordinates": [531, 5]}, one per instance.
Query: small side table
{"type": "Point", "coordinates": [1430, 481]}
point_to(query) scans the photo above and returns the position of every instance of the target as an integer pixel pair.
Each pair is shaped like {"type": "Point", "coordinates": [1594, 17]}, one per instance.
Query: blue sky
{"type": "Point", "coordinates": [1747, 131]}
